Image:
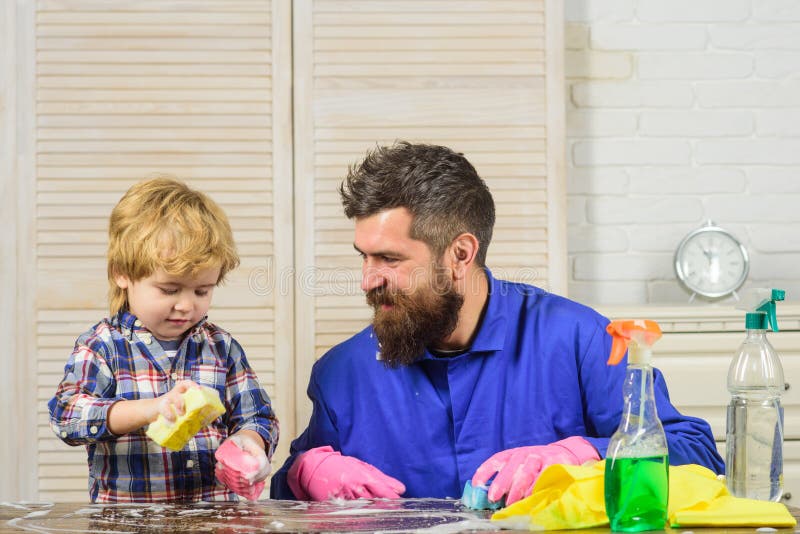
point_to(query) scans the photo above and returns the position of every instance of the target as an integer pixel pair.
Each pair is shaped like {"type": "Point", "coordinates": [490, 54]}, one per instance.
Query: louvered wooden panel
{"type": "Point", "coordinates": [129, 88]}
{"type": "Point", "coordinates": [472, 75]}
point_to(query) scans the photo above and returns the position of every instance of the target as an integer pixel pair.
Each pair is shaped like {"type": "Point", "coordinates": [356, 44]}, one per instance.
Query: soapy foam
{"type": "Point", "coordinates": [360, 515]}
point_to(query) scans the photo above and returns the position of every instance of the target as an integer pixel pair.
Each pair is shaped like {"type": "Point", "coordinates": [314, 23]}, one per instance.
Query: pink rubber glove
{"type": "Point", "coordinates": [322, 473]}
{"type": "Point", "coordinates": [517, 469]}
{"type": "Point", "coordinates": [242, 466]}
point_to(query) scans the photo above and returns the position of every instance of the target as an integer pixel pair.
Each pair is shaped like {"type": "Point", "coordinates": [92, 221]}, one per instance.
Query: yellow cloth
{"type": "Point", "coordinates": [572, 496]}
{"type": "Point", "coordinates": [201, 406]}
{"type": "Point", "coordinates": [698, 498]}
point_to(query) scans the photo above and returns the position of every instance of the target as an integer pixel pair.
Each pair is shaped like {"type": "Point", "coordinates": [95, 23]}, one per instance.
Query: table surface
{"type": "Point", "coordinates": [404, 515]}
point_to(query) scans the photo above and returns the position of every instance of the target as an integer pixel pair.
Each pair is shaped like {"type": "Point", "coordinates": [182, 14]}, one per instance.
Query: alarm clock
{"type": "Point", "coordinates": [711, 262]}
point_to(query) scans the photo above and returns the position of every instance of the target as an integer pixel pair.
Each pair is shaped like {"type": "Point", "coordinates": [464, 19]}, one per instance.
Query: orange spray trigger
{"type": "Point", "coordinates": [642, 331]}
{"type": "Point", "coordinates": [618, 347]}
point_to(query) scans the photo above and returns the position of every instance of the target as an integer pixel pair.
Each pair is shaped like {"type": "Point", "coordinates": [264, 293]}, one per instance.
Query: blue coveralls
{"type": "Point", "coordinates": [536, 373]}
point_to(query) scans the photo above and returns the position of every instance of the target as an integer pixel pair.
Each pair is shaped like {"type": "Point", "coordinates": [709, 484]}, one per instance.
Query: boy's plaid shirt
{"type": "Point", "coordinates": [117, 360]}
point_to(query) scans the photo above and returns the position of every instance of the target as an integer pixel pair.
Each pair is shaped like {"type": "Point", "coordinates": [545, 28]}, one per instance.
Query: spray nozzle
{"type": "Point", "coordinates": [761, 309]}
{"type": "Point", "coordinates": [770, 309]}
{"type": "Point", "coordinates": [642, 332]}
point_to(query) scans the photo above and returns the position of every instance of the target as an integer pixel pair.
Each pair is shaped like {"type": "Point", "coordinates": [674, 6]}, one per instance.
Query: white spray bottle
{"type": "Point", "coordinates": [754, 456]}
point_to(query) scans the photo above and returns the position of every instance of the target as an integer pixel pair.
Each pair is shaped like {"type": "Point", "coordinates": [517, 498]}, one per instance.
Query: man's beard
{"type": "Point", "coordinates": [415, 321]}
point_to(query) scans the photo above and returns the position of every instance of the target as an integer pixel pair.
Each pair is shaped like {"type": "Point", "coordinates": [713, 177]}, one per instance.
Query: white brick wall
{"type": "Point", "coordinates": [680, 111]}
{"type": "Point", "coordinates": [711, 11]}
{"type": "Point", "coordinates": [776, 11]}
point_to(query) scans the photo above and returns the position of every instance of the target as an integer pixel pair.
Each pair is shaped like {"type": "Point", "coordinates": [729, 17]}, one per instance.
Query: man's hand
{"type": "Point", "coordinates": [322, 473]}
{"type": "Point", "coordinates": [517, 469]}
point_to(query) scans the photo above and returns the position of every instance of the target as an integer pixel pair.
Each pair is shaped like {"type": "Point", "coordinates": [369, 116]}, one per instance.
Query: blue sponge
{"type": "Point", "coordinates": [478, 498]}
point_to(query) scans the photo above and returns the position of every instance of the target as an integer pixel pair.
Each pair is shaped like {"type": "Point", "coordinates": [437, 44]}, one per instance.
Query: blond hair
{"type": "Point", "coordinates": [163, 224]}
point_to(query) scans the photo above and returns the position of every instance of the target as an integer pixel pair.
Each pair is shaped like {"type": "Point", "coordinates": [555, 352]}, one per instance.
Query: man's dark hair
{"type": "Point", "coordinates": [440, 188]}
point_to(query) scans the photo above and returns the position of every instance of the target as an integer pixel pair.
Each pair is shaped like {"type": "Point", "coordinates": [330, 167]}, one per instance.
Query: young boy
{"type": "Point", "coordinates": [169, 247]}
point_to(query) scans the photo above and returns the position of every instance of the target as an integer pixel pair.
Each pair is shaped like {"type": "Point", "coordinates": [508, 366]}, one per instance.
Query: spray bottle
{"type": "Point", "coordinates": [754, 452]}
{"type": "Point", "coordinates": [637, 461]}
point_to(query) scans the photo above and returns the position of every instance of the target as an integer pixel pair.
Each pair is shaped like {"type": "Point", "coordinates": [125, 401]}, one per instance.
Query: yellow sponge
{"type": "Point", "coordinates": [201, 405]}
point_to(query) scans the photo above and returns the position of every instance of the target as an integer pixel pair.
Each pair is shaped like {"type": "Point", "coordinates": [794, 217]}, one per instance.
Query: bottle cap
{"type": "Point", "coordinates": [755, 321]}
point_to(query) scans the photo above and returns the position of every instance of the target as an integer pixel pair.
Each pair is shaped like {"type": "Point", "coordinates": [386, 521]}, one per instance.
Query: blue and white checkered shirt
{"type": "Point", "coordinates": [118, 359]}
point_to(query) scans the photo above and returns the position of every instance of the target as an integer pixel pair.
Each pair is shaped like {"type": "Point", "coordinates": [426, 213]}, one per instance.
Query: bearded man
{"type": "Point", "coordinates": [461, 376]}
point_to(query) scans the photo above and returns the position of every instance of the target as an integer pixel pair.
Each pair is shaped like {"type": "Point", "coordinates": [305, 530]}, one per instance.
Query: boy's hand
{"type": "Point", "coordinates": [244, 466]}
{"type": "Point", "coordinates": [255, 447]}
{"type": "Point", "coordinates": [126, 416]}
{"type": "Point", "coordinates": [170, 405]}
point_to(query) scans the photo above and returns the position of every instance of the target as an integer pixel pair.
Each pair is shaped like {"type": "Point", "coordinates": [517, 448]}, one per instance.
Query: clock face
{"type": "Point", "coordinates": [711, 262]}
